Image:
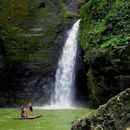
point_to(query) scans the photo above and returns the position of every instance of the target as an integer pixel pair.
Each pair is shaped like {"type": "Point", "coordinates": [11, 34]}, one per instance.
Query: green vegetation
{"type": "Point", "coordinates": [16, 19]}
{"type": "Point", "coordinates": [50, 120]}
{"type": "Point", "coordinates": [15, 47]}
{"type": "Point", "coordinates": [105, 39]}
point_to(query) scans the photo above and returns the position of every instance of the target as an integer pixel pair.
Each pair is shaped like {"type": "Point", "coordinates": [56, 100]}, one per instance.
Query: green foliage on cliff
{"type": "Point", "coordinates": [14, 46]}
{"type": "Point", "coordinates": [18, 18]}
{"type": "Point", "coordinates": [105, 39]}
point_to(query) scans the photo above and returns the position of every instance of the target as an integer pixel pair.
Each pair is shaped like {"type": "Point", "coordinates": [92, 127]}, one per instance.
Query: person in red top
{"type": "Point", "coordinates": [23, 112]}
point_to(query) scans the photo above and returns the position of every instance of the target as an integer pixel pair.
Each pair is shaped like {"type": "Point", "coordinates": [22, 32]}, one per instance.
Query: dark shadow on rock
{"type": "Point", "coordinates": [42, 5]}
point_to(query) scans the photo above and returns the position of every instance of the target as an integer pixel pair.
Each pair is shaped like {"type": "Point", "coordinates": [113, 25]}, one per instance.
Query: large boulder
{"type": "Point", "coordinates": [113, 115]}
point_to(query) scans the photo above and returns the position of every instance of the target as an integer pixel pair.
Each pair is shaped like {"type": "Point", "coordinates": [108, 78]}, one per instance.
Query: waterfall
{"type": "Point", "coordinates": [65, 74]}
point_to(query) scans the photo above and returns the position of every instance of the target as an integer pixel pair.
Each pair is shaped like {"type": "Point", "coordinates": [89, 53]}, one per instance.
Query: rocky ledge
{"type": "Point", "coordinates": [114, 115]}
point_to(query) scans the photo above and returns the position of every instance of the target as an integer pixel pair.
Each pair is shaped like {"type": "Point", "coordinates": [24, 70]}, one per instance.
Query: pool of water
{"type": "Point", "coordinates": [50, 120]}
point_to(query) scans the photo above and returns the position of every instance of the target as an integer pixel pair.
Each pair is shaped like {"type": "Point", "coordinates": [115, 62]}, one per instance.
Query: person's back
{"type": "Point", "coordinates": [30, 108]}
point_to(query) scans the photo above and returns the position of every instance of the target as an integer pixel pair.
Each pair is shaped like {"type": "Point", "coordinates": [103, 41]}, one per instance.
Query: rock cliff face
{"type": "Point", "coordinates": [114, 115]}
{"type": "Point", "coordinates": [32, 36]}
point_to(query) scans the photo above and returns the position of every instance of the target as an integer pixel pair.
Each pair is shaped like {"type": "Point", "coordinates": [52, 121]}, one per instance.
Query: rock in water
{"type": "Point", "coordinates": [110, 116]}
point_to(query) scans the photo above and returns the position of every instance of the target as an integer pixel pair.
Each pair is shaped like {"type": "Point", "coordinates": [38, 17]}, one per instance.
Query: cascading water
{"type": "Point", "coordinates": [65, 74]}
